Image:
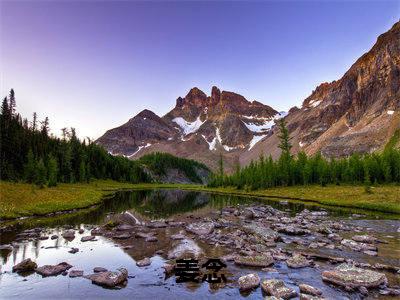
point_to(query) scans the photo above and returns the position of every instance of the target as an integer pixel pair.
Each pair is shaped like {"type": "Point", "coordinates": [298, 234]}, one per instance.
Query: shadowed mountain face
{"type": "Point", "coordinates": [358, 113]}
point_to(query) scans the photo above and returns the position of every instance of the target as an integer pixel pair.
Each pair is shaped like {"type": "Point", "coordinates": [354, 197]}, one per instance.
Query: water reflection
{"type": "Point", "coordinates": [142, 207]}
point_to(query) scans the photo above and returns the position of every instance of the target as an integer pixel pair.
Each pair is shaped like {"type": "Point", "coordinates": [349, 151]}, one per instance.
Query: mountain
{"type": "Point", "coordinates": [198, 127]}
{"type": "Point", "coordinates": [358, 113]}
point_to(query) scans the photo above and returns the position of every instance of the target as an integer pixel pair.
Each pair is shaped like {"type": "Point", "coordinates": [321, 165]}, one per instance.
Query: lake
{"type": "Point", "coordinates": [165, 225]}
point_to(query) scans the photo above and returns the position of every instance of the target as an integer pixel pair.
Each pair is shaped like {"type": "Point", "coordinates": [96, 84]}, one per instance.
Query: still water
{"type": "Point", "coordinates": [139, 208]}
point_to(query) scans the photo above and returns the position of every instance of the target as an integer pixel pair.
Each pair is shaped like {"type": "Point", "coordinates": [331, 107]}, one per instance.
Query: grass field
{"type": "Point", "coordinates": [19, 199]}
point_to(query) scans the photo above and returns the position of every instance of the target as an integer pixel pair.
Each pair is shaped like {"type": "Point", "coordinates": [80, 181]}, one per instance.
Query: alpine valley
{"type": "Point", "coordinates": [360, 112]}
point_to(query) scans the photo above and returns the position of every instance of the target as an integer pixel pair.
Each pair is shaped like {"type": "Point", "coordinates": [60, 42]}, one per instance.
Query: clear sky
{"type": "Point", "coordinates": [93, 65]}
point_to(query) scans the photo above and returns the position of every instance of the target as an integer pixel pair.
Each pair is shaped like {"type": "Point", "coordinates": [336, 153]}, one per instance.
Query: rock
{"type": "Point", "coordinates": [291, 230]}
{"type": "Point", "coordinates": [124, 227]}
{"type": "Point", "coordinates": [6, 247]}
{"type": "Point", "coordinates": [68, 234]}
{"type": "Point", "coordinates": [81, 230]}
{"type": "Point", "coordinates": [372, 253]}
{"type": "Point", "coordinates": [354, 277]}
{"type": "Point", "coordinates": [141, 235]}
{"type": "Point", "coordinates": [298, 261]}
{"type": "Point", "coordinates": [364, 239]}
{"type": "Point", "coordinates": [248, 214]}
{"type": "Point", "coordinates": [73, 250]}
{"type": "Point", "coordinates": [310, 297]}
{"type": "Point", "coordinates": [357, 246]}
{"type": "Point", "coordinates": [390, 292]}
{"type": "Point", "coordinates": [156, 224]}
{"type": "Point", "coordinates": [75, 273]}
{"type": "Point", "coordinates": [248, 282]}
{"type": "Point", "coordinates": [144, 262]}
{"type": "Point", "coordinates": [187, 248]}
{"type": "Point", "coordinates": [88, 238]}
{"type": "Point", "coordinates": [254, 261]}
{"type": "Point", "coordinates": [26, 265]}
{"type": "Point", "coordinates": [43, 237]}
{"type": "Point", "coordinates": [310, 290]}
{"type": "Point", "coordinates": [168, 269]}
{"type": "Point", "coordinates": [363, 290]}
{"type": "Point", "coordinates": [99, 270]}
{"type": "Point", "coordinates": [54, 237]}
{"type": "Point", "coordinates": [177, 236]}
{"type": "Point", "coordinates": [201, 228]}
{"type": "Point", "coordinates": [277, 288]}
{"type": "Point", "coordinates": [335, 237]}
{"type": "Point", "coordinates": [122, 236]}
{"type": "Point", "coordinates": [108, 278]}
{"type": "Point", "coordinates": [53, 270]}
{"type": "Point", "coordinates": [151, 239]}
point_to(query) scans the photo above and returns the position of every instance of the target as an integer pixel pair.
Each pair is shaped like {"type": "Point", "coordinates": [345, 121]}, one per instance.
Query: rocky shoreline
{"type": "Point", "coordinates": [257, 237]}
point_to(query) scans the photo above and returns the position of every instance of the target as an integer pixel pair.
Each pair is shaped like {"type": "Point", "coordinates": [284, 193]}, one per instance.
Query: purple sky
{"type": "Point", "coordinates": [94, 65]}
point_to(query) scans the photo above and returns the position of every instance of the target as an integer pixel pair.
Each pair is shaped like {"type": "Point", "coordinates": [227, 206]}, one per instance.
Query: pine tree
{"type": "Point", "coordinates": [52, 171]}
{"type": "Point", "coordinates": [41, 174]}
{"type": "Point", "coordinates": [34, 122]}
{"type": "Point", "coordinates": [30, 168]}
{"type": "Point", "coordinates": [12, 104]}
{"type": "Point", "coordinates": [82, 171]}
{"type": "Point", "coordinates": [284, 138]}
{"type": "Point", "coordinates": [45, 127]}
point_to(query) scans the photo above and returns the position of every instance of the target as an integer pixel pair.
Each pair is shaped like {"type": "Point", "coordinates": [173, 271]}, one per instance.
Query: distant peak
{"type": "Point", "coordinates": [146, 113]}
{"type": "Point", "coordinates": [195, 92]}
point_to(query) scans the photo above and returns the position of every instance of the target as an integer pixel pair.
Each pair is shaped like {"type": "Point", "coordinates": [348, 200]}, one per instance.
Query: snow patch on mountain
{"type": "Point", "coordinates": [212, 144]}
{"type": "Point", "coordinates": [266, 124]}
{"type": "Point", "coordinates": [188, 127]}
{"type": "Point", "coordinates": [255, 140]}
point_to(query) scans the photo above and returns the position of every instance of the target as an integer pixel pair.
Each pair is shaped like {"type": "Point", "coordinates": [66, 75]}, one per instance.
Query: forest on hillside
{"type": "Point", "coordinates": [29, 153]}
{"type": "Point", "coordinates": [289, 170]}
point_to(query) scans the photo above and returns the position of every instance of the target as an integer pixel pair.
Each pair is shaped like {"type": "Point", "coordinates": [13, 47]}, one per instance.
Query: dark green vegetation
{"type": "Point", "coordinates": [368, 169]}
{"type": "Point", "coordinates": [30, 154]}
{"type": "Point", "coordinates": [160, 163]}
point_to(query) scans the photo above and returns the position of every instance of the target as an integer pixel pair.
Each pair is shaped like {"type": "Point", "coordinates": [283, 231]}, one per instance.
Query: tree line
{"type": "Point", "coordinates": [29, 153]}
{"type": "Point", "coordinates": [289, 170]}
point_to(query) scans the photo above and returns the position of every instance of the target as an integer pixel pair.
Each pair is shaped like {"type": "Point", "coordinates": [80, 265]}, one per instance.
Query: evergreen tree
{"type": "Point", "coordinates": [41, 174]}
{"type": "Point", "coordinates": [52, 171]}
{"type": "Point", "coordinates": [12, 104]}
{"type": "Point", "coordinates": [30, 168]}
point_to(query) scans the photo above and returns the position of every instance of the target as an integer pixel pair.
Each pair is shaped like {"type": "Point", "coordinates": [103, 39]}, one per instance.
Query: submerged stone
{"type": "Point", "coordinates": [298, 261]}
{"type": "Point", "coordinates": [310, 290]}
{"type": "Point", "coordinates": [201, 228]}
{"type": "Point", "coordinates": [255, 261]}
{"type": "Point", "coordinates": [26, 265]}
{"type": "Point", "coordinates": [277, 288]}
{"type": "Point", "coordinates": [75, 273]}
{"type": "Point", "coordinates": [347, 275]}
{"type": "Point", "coordinates": [53, 270]}
{"type": "Point", "coordinates": [144, 262]}
{"type": "Point", "coordinates": [248, 282]}
{"type": "Point", "coordinates": [109, 279]}
{"type": "Point", "coordinates": [69, 234]}
{"type": "Point", "coordinates": [88, 238]}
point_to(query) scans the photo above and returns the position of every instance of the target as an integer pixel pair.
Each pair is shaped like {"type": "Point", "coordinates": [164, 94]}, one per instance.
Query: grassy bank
{"type": "Point", "coordinates": [19, 199]}
{"type": "Point", "coordinates": [383, 198]}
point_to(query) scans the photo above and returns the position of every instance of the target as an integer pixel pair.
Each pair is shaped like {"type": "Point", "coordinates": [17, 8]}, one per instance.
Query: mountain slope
{"type": "Point", "coordinates": [357, 113]}
{"type": "Point", "coordinates": [199, 127]}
